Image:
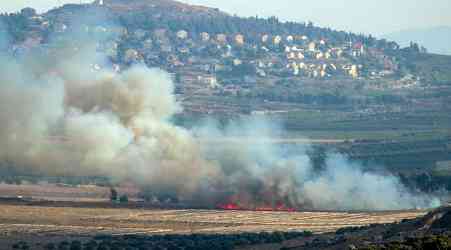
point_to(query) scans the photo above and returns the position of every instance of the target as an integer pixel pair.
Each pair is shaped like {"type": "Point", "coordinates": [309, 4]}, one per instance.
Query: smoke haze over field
{"type": "Point", "coordinates": [61, 116]}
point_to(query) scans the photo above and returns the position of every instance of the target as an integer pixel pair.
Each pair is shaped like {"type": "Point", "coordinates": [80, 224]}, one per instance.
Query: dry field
{"type": "Point", "coordinates": [81, 221]}
{"type": "Point", "coordinates": [62, 193]}
{"type": "Point", "coordinates": [89, 214]}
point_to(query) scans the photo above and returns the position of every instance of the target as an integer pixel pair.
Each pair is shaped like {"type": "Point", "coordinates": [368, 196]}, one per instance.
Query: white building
{"type": "Point", "coordinates": [182, 34]}
{"type": "Point", "coordinates": [239, 39]}
{"type": "Point", "coordinates": [312, 47]}
{"type": "Point", "coordinates": [277, 40]}
{"type": "Point", "coordinates": [205, 36]}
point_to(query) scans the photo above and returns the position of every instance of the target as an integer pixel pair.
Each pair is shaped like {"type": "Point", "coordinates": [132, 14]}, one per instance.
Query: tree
{"type": "Point", "coordinates": [414, 47]}
{"type": "Point", "coordinates": [113, 194]}
{"type": "Point", "coordinates": [423, 50]}
{"type": "Point", "coordinates": [28, 12]}
{"type": "Point", "coordinates": [76, 245]}
{"type": "Point", "coordinates": [17, 180]}
{"type": "Point", "coordinates": [123, 199]}
{"type": "Point", "coordinates": [50, 246]}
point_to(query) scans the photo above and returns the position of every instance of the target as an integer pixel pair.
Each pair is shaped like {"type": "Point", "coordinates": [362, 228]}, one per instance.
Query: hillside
{"type": "Point", "coordinates": [437, 40]}
{"type": "Point", "coordinates": [158, 5]}
{"type": "Point", "coordinates": [219, 48]}
{"type": "Point", "coordinates": [227, 66]}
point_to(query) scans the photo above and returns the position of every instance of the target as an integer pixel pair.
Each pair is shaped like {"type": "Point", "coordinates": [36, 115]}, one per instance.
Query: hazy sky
{"type": "Point", "coordinates": [368, 16]}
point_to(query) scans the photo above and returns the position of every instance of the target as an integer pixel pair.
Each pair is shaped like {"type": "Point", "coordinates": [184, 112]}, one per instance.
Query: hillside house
{"type": "Point", "coordinates": [182, 34]}
{"type": "Point", "coordinates": [260, 72]}
{"type": "Point", "coordinates": [327, 55]}
{"type": "Point", "coordinates": [131, 55]}
{"type": "Point", "coordinates": [358, 50]}
{"type": "Point", "coordinates": [228, 51]}
{"type": "Point", "coordinates": [239, 40]}
{"type": "Point", "coordinates": [221, 39]}
{"type": "Point", "coordinates": [237, 62]}
{"type": "Point", "coordinates": [208, 80]}
{"type": "Point", "coordinates": [353, 71]}
{"type": "Point", "coordinates": [277, 40]}
{"type": "Point", "coordinates": [205, 37]}
{"type": "Point", "coordinates": [312, 47]}
{"type": "Point", "coordinates": [291, 56]}
{"type": "Point", "coordinates": [319, 55]}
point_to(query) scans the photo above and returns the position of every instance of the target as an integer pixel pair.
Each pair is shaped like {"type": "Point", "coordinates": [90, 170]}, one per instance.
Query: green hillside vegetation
{"type": "Point", "coordinates": [434, 69]}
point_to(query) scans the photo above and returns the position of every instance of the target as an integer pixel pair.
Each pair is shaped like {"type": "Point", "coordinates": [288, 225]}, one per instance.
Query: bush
{"type": "Point", "coordinates": [113, 194]}
{"type": "Point", "coordinates": [103, 247]}
{"type": "Point", "coordinates": [50, 246]}
{"type": "Point", "coordinates": [63, 245]}
{"type": "Point", "coordinates": [76, 245]}
{"type": "Point", "coordinates": [123, 199]}
{"type": "Point", "coordinates": [175, 242]}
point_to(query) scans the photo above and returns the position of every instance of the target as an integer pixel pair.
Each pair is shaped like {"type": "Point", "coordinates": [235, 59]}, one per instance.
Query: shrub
{"type": "Point", "coordinates": [123, 199]}
{"type": "Point", "coordinates": [113, 194]}
{"type": "Point", "coordinates": [76, 245]}
{"type": "Point", "coordinates": [50, 246]}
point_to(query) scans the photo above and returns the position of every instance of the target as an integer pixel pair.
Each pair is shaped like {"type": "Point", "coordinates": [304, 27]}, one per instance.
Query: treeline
{"type": "Point", "coordinates": [173, 242]}
{"type": "Point", "coordinates": [299, 96]}
{"type": "Point", "coordinates": [13, 27]}
{"type": "Point", "coordinates": [429, 242]}
{"type": "Point", "coordinates": [427, 183]}
{"type": "Point", "coordinates": [18, 179]}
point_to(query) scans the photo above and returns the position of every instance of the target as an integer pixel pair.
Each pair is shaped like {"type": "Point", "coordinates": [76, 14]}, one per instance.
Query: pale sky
{"type": "Point", "coordinates": [366, 16]}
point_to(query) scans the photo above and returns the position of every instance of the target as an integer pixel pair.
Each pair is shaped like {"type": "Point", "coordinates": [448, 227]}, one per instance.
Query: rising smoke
{"type": "Point", "coordinates": [60, 116]}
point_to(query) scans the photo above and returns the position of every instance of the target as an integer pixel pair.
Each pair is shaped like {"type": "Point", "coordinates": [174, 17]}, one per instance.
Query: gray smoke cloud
{"type": "Point", "coordinates": [258, 172]}
{"type": "Point", "coordinates": [61, 116]}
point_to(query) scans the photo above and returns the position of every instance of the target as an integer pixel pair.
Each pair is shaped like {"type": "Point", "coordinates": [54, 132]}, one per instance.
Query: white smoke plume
{"type": "Point", "coordinates": [96, 123]}
{"type": "Point", "coordinates": [59, 116]}
{"type": "Point", "coordinates": [258, 173]}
